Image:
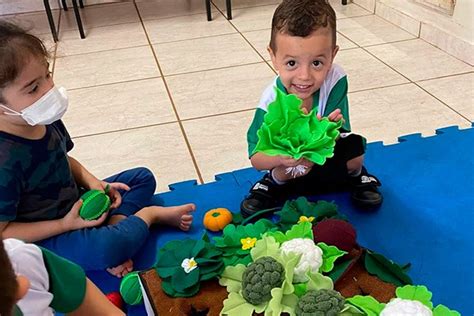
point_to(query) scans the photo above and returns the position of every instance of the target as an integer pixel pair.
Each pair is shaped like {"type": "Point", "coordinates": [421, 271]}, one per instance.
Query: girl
{"type": "Point", "coordinates": [40, 184]}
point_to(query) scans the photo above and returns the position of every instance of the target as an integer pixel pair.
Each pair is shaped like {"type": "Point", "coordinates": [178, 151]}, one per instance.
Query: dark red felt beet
{"type": "Point", "coordinates": [337, 233]}
{"type": "Point", "coordinates": [116, 299]}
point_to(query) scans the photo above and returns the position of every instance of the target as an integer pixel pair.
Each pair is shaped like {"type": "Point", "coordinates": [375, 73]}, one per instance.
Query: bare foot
{"type": "Point", "coordinates": [177, 216]}
{"type": "Point", "coordinates": [121, 270]}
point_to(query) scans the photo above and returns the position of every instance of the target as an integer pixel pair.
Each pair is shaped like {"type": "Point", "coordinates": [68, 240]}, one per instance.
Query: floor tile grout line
{"type": "Point", "coordinates": [188, 144]}
{"type": "Point", "coordinates": [113, 83]}
{"type": "Point", "coordinates": [414, 82]}
{"type": "Point", "coordinates": [444, 103]}
{"type": "Point", "coordinates": [246, 40]}
{"type": "Point", "coordinates": [125, 129]}
{"type": "Point", "coordinates": [447, 76]}
{"type": "Point", "coordinates": [212, 69]}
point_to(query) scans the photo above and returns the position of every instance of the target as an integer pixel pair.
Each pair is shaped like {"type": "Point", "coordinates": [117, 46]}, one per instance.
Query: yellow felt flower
{"type": "Point", "coordinates": [306, 219]}
{"type": "Point", "coordinates": [248, 243]}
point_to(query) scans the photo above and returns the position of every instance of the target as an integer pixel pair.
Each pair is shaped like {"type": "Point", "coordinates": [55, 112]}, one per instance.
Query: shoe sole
{"type": "Point", "coordinates": [367, 205]}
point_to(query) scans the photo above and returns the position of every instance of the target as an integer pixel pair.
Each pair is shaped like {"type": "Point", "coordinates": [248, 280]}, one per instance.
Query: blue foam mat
{"type": "Point", "coordinates": [426, 218]}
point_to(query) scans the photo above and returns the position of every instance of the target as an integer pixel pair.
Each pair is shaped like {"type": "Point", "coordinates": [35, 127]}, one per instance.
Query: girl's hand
{"type": "Point", "coordinates": [72, 220]}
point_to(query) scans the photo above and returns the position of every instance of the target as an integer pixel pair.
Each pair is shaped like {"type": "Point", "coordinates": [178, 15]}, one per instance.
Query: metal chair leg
{"type": "Point", "coordinates": [344, 2]}
{"type": "Point", "coordinates": [81, 4]}
{"type": "Point", "coordinates": [47, 7]}
{"type": "Point", "coordinates": [64, 5]}
{"type": "Point", "coordinates": [228, 5]}
{"type": "Point", "coordinates": [78, 19]}
{"type": "Point", "coordinates": [208, 10]}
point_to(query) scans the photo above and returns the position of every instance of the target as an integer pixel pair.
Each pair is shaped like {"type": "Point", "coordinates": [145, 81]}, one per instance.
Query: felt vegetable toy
{"type": "Point", "coordinates": [116, 299]}
{"type": "Point", "coordinates": [311, 257]}
{"type": "Point", "coordinates": [335, 232]}
{"type": "Point", "coordinates": [260, 278]}
{"type": "Point", "coordinates": [94, 204]}
{"type": "Point", "coordinates": [325, 302]}
{"type": "Point", "coordinates": [286, 130]}
{"type": "Point", "coordinates": [410, 301]}
{"type": "Point", "coordinates": [130, 289]}
{"type": "Point", "coordinates": [183, 264]}
{"type": "Point", "coordinates": [216, 219]}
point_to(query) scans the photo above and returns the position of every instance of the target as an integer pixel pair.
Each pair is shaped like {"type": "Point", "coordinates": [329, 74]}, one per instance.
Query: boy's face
{"type": "Point", "coordinates": [303, 62]}
{"type": "Point", "coordinates": [32, 83]}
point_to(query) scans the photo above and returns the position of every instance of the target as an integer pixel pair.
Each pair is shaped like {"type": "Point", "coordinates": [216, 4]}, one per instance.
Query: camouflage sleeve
{"type": "Point", "coordinates": [10, 188]}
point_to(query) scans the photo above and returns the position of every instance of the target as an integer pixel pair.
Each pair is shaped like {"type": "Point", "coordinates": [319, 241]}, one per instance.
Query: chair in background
{"type": "Point", "coordinates": [47, 7]}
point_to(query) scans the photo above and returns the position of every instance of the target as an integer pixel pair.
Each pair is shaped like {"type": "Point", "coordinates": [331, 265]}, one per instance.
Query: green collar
{"type": "Point", "coordinates": [17, 311]}
{"type": "Point", "coordinates": [315, 95]}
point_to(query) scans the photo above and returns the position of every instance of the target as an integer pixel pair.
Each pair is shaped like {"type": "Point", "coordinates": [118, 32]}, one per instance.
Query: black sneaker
{"type": "Point", "coordinates": [265, 194]}
{"type": "Point", "coordinates": [364, 190]}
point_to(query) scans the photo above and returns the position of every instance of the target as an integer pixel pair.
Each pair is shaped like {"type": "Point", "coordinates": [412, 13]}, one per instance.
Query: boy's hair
{"type": "Point", "coordinates": [16, 48]}
{"type": "Point", "coordinates": [8, 283]}
{"type": "Point", "coordinates": [301, 18]}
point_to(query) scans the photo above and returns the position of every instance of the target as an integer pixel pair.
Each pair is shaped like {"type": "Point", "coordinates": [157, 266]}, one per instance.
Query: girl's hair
{"type": "Point", "coordinates": [301, 18]}
{"type": "Point", "coordinates": [16, 48]}
{"type": "Point", "coordinates": [8, 283]}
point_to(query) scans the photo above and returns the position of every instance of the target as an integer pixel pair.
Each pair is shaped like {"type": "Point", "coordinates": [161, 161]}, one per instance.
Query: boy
{"type": "Point", "coordinates": [42, 283]}
{"type": "Point", "coordinates": [302, 48]}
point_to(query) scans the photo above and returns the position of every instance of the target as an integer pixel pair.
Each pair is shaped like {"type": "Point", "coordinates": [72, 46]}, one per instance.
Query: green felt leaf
{"type": "Point", "coordinates": [235, 304]}
{"type": "Point", "coordinates": [369, 305]}
{"type": "Point", "coordinates": [267, 246]}
{"type": "Point", "coordinates": [386, 270]}
{"type": "Point", "coordinates": [418, 293]}
{"type": "Point", "coordinates": [338, 270]}
{"type": "Point", "coordinates": [442, 310]}
{"type": "Point", "coordinates": [286, 130]}
{"type": "Point", "coordinates": [281, 303]}
{"type": "Point", "coordinates": [291, 212]}
{"type": "Point", "coordinates": [300, 289]}
{"type": "Point", "coordinates": [181, 280]}
{"type": "Point", "coordinates": [231, 278]}
{"type": "Point", "coordinates": [301, 230]}
{"type": "Point", "coordinates": [330, 255]}
{"type": "Point", "coordinates": [350, 310]}
{"type": "Point", "coordinates": [317, 281]}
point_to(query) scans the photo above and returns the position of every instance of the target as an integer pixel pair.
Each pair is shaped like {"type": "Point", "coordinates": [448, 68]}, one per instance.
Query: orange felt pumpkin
{"type": "Point", "coordinates": [216, 219]}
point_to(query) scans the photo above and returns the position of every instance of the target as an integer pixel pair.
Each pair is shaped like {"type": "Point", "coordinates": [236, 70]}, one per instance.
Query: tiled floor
{"type": "Point", "coordinates": [154, 84]}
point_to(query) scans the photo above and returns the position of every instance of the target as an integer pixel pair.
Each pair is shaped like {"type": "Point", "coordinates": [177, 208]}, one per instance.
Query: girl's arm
{"type": "Point", "coordinates": [34, 231]}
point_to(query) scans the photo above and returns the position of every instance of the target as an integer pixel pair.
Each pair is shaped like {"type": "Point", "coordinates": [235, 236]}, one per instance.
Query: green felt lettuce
{"type": "Point", "coordinates": [231, 242]}
{"type": "Point", "coordinates": [286, 130]}
{"type": "Point", "coordinates": [330, 255]}
{"type": "Point", "coordinates": [183, 264]}
{"type": "Point", "coordinates": [385, 269]}
{"type": "Point", "coordinates": [293, 210]}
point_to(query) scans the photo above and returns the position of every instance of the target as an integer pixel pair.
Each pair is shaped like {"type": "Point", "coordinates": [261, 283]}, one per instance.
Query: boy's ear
{"type": "Point", "coordinates": [23, 286]}
{"type": "Point", "coordinates": [334, 52]}
{"type": "Point", "coordinates": [272, 56]}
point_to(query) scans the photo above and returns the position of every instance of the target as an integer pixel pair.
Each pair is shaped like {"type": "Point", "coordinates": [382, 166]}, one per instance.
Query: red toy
{"type": "Point", "coordinates": [337, 233]}
{"type": "Point", "coordinates": [116, 299]}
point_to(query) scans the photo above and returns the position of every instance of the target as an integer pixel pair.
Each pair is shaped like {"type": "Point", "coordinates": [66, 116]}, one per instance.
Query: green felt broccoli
{"type": "Point", "coordinates": [260, 278]}
{"type": "Point", "coordinates": [320, 303]}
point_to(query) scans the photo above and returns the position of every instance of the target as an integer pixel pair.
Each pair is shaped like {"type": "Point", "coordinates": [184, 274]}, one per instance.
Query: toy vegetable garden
{"type": "Point", "coordinates": [306, 262]}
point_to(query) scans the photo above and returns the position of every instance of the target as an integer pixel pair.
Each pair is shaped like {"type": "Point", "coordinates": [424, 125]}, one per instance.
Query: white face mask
{"type": "Point", "coordinates": [48, 109]}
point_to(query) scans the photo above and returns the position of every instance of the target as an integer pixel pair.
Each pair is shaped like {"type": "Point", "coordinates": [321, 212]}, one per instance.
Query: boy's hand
{"type": "Point", "coordinates": [287, 161]}
{"type": "Point", "coordinates": [334, 116]}
{"type": "Point", "coordinates": [72, 220]}
{"type": "Point", "coordinates": [111, 189]}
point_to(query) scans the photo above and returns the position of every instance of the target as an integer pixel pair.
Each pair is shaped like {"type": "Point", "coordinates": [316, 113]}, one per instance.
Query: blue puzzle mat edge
{"type": "Point", "coordinates": [426, 218]}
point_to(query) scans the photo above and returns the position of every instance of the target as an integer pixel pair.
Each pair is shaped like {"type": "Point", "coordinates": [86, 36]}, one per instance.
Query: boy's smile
{"type": "Point", "coordinates": [303, 62]}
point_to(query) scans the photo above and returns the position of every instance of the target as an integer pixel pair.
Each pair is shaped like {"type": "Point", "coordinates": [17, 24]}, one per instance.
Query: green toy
{"type": "Point", "coordinates": [320, 302]}
{"type": "Point", "coordinates": [130, 289]}
{"type": "Point", "coordinates": [94, 204]}
{"type": "Point", "coordinates": [286, 130]}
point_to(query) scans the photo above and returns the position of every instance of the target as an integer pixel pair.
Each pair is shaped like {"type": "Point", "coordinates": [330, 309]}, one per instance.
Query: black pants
{"type": "Point", "coordinates": [332, 176]}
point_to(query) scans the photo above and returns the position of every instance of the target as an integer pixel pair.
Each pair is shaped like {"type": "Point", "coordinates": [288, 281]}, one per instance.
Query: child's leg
{"type": "Point", "coordinates": [103, 247]}
{"type": "Point", "coordinates": [142, 185]}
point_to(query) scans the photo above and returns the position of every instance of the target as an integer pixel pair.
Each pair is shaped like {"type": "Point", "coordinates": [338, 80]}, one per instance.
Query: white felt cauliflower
{"type": "Point", "coordinates": [311, 259]}
{"type": "Point", "coordinates": [401, 307]}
